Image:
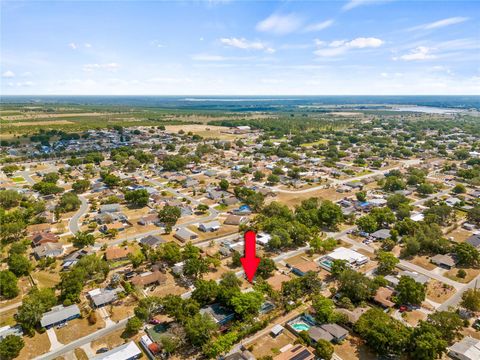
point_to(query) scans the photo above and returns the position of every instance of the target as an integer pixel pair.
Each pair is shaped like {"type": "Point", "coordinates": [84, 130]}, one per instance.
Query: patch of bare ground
{"type": "Point", "coordinates": [34, 346]}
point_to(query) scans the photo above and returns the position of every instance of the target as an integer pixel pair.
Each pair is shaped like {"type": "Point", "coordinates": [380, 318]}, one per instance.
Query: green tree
{"type": "Point", "coordinates": [223, 184]}
{"type": "Point", "coordinates": [170, 252]}
{"type": "Point", "coordinates": [266, 268]}
{"type": "Point", "coordinates": [80, 186]}
{"type": "Point", "coordinates": [459, 189]}
{"type": "Point", "coordinates": [448, 323]}
{"type": "Point", "coordinates": [367, 223]}
{"type": "Point", "coordinates": [137, 198]}
{"type": "Point", "coordinates": [136, 258]}
{"type": "Point", "coordinates": [356, 286]}
{"type": "Point", "coordinates": [82, 239]}
{"type": "Point", "coordinates": [473, 215]}
{"type": "Point", "coordinates": [169, 215]}
{"type": "Point", "coordinates": [383, 333]}
{"type": "Point", "coordinates": [206, 291]}
{"type": "Point", "coordinates": [386, 262]}
{"type": "Point", "coordinates": [34, 305]}
{"type": "Point", "coordinates": [134, 324]}
{"type": "Point", "coordinates": [324, 349]}
{"type": "Point", "coordinates": [247, 305]}
{"type": "Point", "coordinates": [361, 196]}
{"type": "Point", "coordinates": [329, 214]}
{"type": "Point", "coordinates": [467, 254]}
{"type": "Point", "coordinates": [273, 179]}
{"type": "Point", "coordinates": [8, 285]}
{"type": "Point", "coordinates": [10, 347]}
{"type": "Point", "coordinates": [69, 202]}
{"type": "Point", "coordinates": [19, 264]}
{"type": "Point", "coordinates": [426, 342]}
{"type": "Point", "coordinates": [471, 300]}
{"type": "Point", "coordinates": [199, 329]}
{"type": "Point", "coordinates": [324, 309]}
{"type": "Point", "coordinates": [409, 291]}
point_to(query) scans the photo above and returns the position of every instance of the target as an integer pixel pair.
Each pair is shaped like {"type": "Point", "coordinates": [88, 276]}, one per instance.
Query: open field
{"type": "Point", "coordinates": [205, 131]}
{"type": "Point", "coordinates": [34, 346]}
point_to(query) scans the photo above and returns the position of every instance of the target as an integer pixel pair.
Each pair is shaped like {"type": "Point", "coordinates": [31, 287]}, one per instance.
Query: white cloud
{"type": "Point", "coordinates": [419, 53]}
{"type": "Point", "coordinates": [87, 45]}
{"type": "Point", "coordinates": [107, 66]}
{"type": "Point", "coordinates": [352, 4]}
{"type": "Point", "coordinates": [8, 74]}
{"type": "Point", "coordinates": [339, 47]}
{"type": "Point", "coordinates": [208, 57]}
{"type": "Point", "coordinates": [441, 23]}
{"type": "Point", "coordinates": [242, 43]}
{"type": "Point", "coordinates": [73, 46]}
{"type": "Point", "coordinates": [280, 24]}
{"type": "Point", "coordinates": [318, 26]}
{"type": "Point", "coordinates": [157, 43]}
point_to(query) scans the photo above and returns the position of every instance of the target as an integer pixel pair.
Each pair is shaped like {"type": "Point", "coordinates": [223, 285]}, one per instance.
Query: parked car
{"type": "Point", "coordinates": [102, 350]}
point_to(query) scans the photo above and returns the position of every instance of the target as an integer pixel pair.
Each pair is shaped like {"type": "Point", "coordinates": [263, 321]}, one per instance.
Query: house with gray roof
{"type": "Point", "coordinates": [102, 297]}
{"type": "Point", "coordinates": [184, 235]}
{"type": "Point", "coordinates": [466, 349]}
{"type": "Point", "coordinates": [152, 241]}
{"type": "Point", "coordinates": [58, 315]}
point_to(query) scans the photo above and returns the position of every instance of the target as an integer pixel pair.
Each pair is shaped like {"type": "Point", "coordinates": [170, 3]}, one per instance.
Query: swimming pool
{"type": "Point", "coordinates": [301, 326]}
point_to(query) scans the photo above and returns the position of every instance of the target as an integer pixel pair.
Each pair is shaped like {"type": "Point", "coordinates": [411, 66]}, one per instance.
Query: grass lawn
{"type": "Point", "coordinates": [46, 278]}
{"type": "Point", "coordinates": [18, 179]}
{"type": "Point", "coordinates": [413, 317]}
{"type": "Point", "coordinates": [34, 346]}
{"type": "Point", "coordinates": [6, 317]}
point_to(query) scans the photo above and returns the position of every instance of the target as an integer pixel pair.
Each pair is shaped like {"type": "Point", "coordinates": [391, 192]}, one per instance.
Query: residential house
{"type": "Point", "coordinates": [295, 352]}
{"type": "Point", "coordinates": [127, 351]}
{"type": "Point", "coordinates": [58, 315]}
{"type": "Point", "coordinates": [101, 297]}
{"type": "Point", "coordinates": [338, 333]}
{"type": "Point", "coordinates": [304, 267]}
{"type": "Point", "coordinates": [48, 250]}
{"type": "Point", "coordinates": [446, 261]}
{"type": "Point", "coordinates": [353, 258]}
{"type": "Point", "coordinates": [73, 258]}
{"type": "Point", "coordinates": [419, 278]}
{"type": "Point", "coordinates": [117, 253]}
{"type": "Point", "coordinates": [381, 234]}
{"type": "Point", "coordinates": [43, 238]}
{"type": "Point", "coordinates": [11, 330]}
{"type": "Point", "coordinates": [474, 240]}
{"type": "Point", "coordinates": [150, 219]}
{"type": "Point", "coordinates": [383, 297]}
{"type": "Point", "coordinates": [235, 220]}
{"type": "Point", "coordinates": [152, 241]}
{"type": "Point", "coordinates": [220, 314]}
{"type": "Point", "coordinates": [109, 208]}
{"type": "Point", "coordinates": [149, 278]}
{"type": "Point", "coordinates": [466, 349]}
{"type": "Point", "coordinates": [184, 235]}
{"type": "Point", "coordinates": [210, 226]}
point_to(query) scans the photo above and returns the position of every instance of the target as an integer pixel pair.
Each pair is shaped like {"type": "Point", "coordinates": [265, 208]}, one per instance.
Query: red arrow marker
{"type": "Point", "coordinates": [250, 261]}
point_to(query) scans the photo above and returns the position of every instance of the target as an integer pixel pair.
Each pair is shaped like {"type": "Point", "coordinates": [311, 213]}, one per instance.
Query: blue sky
{"type": "Point", "coordinates": [235, 48]}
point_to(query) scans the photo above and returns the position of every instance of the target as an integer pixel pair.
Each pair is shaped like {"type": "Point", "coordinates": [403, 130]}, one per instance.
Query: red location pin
{"type": "Point", "coordinates": [250, 261]}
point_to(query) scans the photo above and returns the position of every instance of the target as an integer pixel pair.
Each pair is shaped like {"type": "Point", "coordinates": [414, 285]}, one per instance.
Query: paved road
{"type": "Point", "coordinates": [26, 175]}
{"type": "Point", "coordinates": [457, 297]}
{"type": "Point", "coordinates": [412, 267]}
{"type": "Point", "coordinates": [73, 224]}
{"type": "Point", "coordinates": [10, 307]}
{"type": "Point", "coordinates": [336, 182]}
{"type": "Point", "coordinates": [82, 341]}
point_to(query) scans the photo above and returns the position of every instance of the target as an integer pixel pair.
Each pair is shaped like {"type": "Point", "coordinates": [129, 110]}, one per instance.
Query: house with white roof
{"type": "Point", "coordinates": [352, 257]}
{"type": "Point", "coordinates": [128, 351]}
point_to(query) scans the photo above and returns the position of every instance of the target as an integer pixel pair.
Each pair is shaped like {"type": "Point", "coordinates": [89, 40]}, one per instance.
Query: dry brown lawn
{"type": "Point", "coordinates": [119, 312]}
{"type": "Point", "coordinates": [80, 354]}
{"type": "Point", "coordinates": [354, 348]}
{"type": "Point", "coordinates": [7, 318]}
{"type": "Point", "coordinates": [471, 274]}
{"type": "Point", "coordinates": [413, 317]}
{"type": "Point", "coordinates": [268, 345]}
{"type": "Point", "coordinates": [46, 278]}
{"type": "Point", "coordinates": [110, 341]}
{"type": "Point", "coordinates": [34, 346]}
{"type": "Point", "coordinates": [296, 198]}
{"type": "Point", "coordinates": [205, 131]}
{"type": "Point", "coordinates": [423, 261]}
{"type": "Point", "coordinates": [438, 291]}
{"type": "Point", "coordinates": [459, 235]}
{"type": "Point", "coordinates": [78, 328]}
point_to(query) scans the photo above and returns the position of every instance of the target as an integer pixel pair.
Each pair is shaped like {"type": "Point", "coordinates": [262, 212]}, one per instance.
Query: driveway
{"type": "Point", "coordinates": [73, 224]}
{"type": "Point", "coordinates": [54, 343]}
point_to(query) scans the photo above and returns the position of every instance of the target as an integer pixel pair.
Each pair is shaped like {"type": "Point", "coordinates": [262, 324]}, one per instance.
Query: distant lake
{"type": "Point", "coordinates": [428, 109]}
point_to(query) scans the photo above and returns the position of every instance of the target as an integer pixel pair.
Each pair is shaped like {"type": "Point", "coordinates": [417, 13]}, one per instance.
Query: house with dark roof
{"type": "Point", "coordinates": [474, 240]}
{"type": "Point", "coordinates": [43, 237]}
{"type": "Point", "coordinates": [220, 314]}
{"type": "Point", "coordinates": [184, 235]}
{"type": "Point", "coordinates": [152, 241]}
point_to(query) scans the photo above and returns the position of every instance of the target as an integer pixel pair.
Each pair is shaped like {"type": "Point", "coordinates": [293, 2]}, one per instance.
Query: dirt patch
{"type": "Point", "coordinates": [423, 261]}
{"type": "Point", "coordinates": [438, 291]}
{"type": "Point", "coordinates": [354, 348]}
{"type": "Point", "coordinates": [34, 346]}
{"type": "Point", "coordinates": [80, 354]}
{"type": "Point", "coordinates": [48, 122]}
{"type": "Point", "coordinates": [459, 235]}
{"type": "Point", "coordinates": [267, 345]}
{"type": "Point", "coordinates": [413, 317]}
{"type": "Point", "coordinates": [205, 131]}
{"type": "Point", "coordinates": [78, 328]}
{"type": "Point", "coordinates": [471, 274]}
{"type": "Point", "coordinates": [292, 199]}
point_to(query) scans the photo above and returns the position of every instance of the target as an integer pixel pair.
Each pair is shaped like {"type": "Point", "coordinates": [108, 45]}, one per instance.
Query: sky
{"type": "Point", "coordinates": [351, 47]}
